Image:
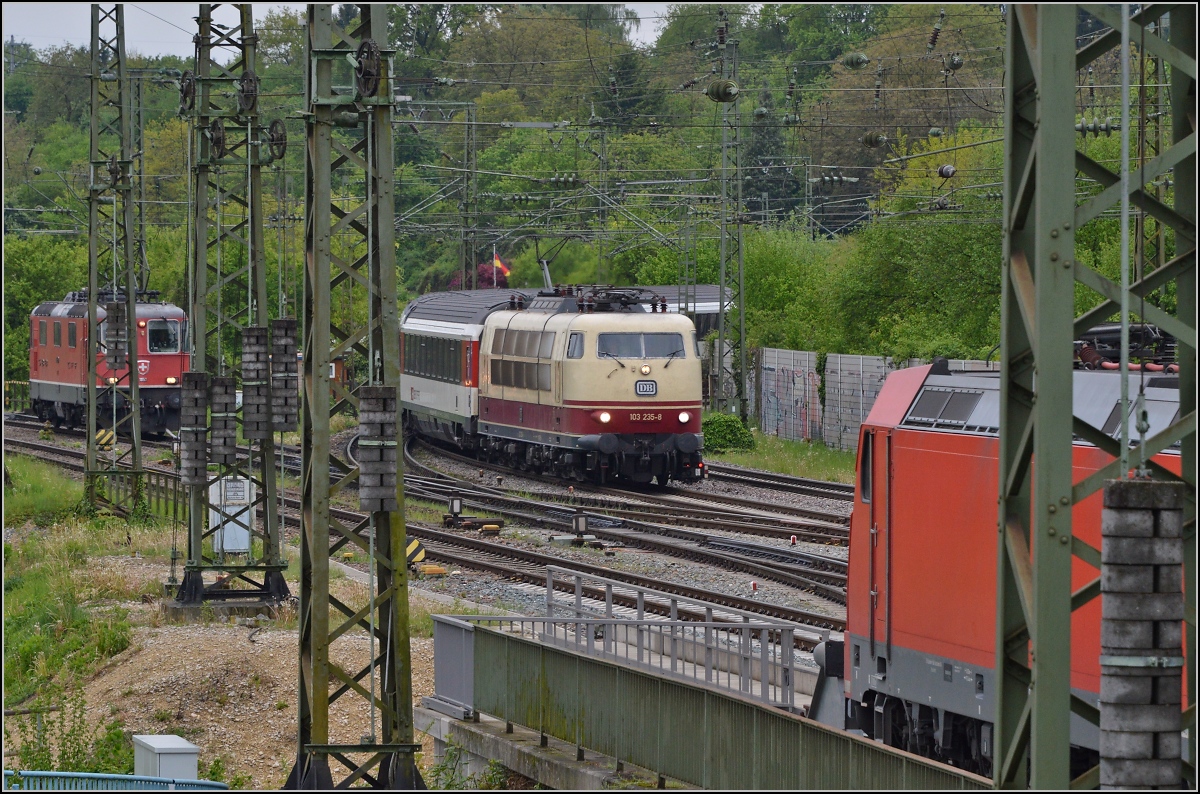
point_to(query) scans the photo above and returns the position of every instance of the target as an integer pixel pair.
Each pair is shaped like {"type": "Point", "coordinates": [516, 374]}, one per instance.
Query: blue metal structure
{"type": "Point", "coordinates": [94, 781]}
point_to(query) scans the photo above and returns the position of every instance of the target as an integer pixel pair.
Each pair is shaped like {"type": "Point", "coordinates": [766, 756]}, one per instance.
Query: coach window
{"type": "Point", "coordinates": [42, 333]}
{"type": "Point", "coordinates": [162, 336]}
{"type": "Point", "coordinates": [547, 344]}
{"type": "Point", "coordinates": [70, 334]}
{"type": "Point", "coordinates": [532, 340]}
{"type": "Point", "coordinates": [58, 334]}
{"type": "Point", "coordinates": [696, 343]}
{"type": "Point", "coordinates": [864, 473]}
{"type": "Point", "coordinates": [575, 346]}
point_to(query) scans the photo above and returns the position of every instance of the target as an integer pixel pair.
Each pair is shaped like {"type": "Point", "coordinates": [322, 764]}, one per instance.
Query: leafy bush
{"type": "Point", "coordinates": [723, 432]}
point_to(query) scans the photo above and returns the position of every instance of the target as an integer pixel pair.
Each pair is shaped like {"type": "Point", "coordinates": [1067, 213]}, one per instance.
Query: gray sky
{"type": "Point", "coordinates": [167, 28]}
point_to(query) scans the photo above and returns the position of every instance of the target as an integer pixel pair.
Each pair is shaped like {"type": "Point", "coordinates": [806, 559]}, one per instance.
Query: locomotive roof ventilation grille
{"type": "Point", "coordinates": [946, 409]}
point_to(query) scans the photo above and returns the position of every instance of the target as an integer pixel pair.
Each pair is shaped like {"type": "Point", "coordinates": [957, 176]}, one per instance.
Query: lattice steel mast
{"type": "Point", "coordinates": [112, 262]}
{"type": "Point", "coordinates": [350, 241]}
{"type": "Point", "coordinates": [230, 304]}
{"type": "Point", "coordinates": [732, 265]}
{"type": "Point", "coordinates": [1037, 548]}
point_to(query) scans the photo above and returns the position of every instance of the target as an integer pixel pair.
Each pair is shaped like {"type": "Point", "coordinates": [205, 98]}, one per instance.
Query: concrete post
{"type": "Point", "coordinates": [1141, 634]}
{"type": "Point", "coordinates": [256, 392]}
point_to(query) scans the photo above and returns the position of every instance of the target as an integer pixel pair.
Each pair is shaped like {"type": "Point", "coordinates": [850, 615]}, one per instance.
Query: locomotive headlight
{"type": "Point", "coordinates": [605, 417]}
{"type": "Point", "coordinates": [645, 370]}
{"type": "Point", "coordinates": [684, 416]}
{"type": "Point", "coordinates": [171, 381]}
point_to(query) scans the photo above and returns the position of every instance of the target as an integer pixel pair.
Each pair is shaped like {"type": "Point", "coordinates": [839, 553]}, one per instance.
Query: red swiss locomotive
{"type": "Point", "coordinates": [58, 363]}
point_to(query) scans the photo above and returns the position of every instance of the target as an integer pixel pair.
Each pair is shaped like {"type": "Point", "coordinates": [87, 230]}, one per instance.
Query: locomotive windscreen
{"type": "Point", "coordinates": [163, 336]}
{"type": "Point", "coordinates": [640, 345]}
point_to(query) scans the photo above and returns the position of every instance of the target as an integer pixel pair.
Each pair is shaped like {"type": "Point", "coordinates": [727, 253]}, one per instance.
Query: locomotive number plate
{"type": "Point", "coordinates": [646, 388]}
{"type": "Point", "coordinates": [645, 417]}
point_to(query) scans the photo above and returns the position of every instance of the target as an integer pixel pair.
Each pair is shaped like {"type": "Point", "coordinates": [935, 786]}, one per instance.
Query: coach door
{"type": "Point", "coordinates": [881, 542]}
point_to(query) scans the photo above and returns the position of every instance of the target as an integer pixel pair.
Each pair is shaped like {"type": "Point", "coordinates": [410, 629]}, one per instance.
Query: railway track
{"type": "Point", "coordinates": [817, 574]}
{"type": "Point", "coordinates": [682, 500]}
{"type": "Point", "coordinates": [781, 482]}
{"type": "Point", "coordinates": [530, 566]}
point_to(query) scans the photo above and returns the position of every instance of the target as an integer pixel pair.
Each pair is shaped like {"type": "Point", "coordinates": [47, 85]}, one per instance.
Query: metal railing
{"type": "Point", "coordinates": [757, 659]}
{"type": "Point", "coordinates": [16, 396]}
{"type": "Point", "coordinates": [165, 495]}
{"type": "Point", "coordinates": [642, 594]}
{"type": "Point", "coordinates": [120, 488]}
{"type": "Point", "coordinates": [540, 673]}
{"type": "Point", "coordinates": [92, 781]}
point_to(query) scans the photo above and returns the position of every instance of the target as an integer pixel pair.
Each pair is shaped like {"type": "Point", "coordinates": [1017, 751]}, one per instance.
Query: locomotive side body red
{"type": "Point", "coordinates": [58, 364]}
{"type": "Point", "coordinates": [920, 639]}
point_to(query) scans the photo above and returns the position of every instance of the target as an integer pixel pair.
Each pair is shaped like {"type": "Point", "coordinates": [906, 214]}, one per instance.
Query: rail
{"type": "Point", "coordinates": [93, 781]}
{"type": "Point", "coordinates": [540, 674]}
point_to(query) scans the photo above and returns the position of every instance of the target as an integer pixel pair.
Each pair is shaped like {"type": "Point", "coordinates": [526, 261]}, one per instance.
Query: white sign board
{"type": "Point", "coordinates": [234, 496]}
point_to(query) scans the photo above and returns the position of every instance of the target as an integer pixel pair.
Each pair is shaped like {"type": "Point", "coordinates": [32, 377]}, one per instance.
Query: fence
{"type": "Point", "coordinates": [90, 781]}
{"type": "Point", "coordinates": [790, 387]}
{"type": "Point", "coordinates": [684, 728]}
{"type": "Point", "coordinates": [16, 396]}
{"type": "Point", "coordinates": [790, 396]}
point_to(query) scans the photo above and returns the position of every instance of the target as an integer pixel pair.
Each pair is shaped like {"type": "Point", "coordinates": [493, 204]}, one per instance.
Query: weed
{"type": "Point", "coordinates": [496, 776]}
{"type": "Point", "coordinates": [446, 774]}
{"type": "Point", "coordinates": [162, 715]}
{"type": "Point", "coordinates": [64, 740]}
{"type": "Point", "coordinates": [216, 770]}
{"type": "Point", "coordinates": [280, 705]}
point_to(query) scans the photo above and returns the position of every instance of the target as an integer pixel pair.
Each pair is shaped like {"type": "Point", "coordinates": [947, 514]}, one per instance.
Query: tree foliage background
{"type": "Point", "coordinates": [844, 251]}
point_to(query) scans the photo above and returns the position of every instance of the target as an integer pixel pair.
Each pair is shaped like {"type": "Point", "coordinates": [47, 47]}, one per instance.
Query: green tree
{"type": "Point", "coordinates": [60, 86]}
{"type": "Point", "coordinates": [822, 32]}
{"type": "Point", "coordinates": [36, 269]}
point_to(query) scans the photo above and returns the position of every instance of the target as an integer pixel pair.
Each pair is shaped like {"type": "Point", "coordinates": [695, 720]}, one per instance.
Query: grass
{"type": "Point", "coordinates": [798, 458]}
{"type": "Point", "coordinates": [53, 633]}
{"type": "Point", "coordinates": [39, 493]}
{"type": "Point", "coordinates": [420, 617]}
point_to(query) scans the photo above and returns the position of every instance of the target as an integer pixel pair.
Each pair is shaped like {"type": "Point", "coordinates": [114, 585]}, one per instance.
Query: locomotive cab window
{"type": "Point", "coordinates": [58, 334]}
{"type": "Point", "coordinates": [71, 339]}
{"type": "Point", "coordinates": [640, 345]}
{"type": "Point", "coordinates": [162, 336]}
{"type": "Point", "coordinates": [42, 333]}
{"type": "Point", "coordinates": [575, 346]}
{"type": "Point", "coordinates": [864, 473]}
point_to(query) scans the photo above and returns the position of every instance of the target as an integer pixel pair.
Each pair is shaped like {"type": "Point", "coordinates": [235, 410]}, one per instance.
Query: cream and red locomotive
{"type": "Point", "coordinates": [58, 344]}
{"type": "Point", "coordinates": [596, 383]}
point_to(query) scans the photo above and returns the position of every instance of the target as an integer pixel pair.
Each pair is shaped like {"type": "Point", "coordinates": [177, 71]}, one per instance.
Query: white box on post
{"type": "Point", "coordinates": [234, 496]}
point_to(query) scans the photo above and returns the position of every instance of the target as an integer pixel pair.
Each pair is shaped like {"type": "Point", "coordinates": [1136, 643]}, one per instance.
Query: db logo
{"type": "Point", "coordinates": [143, 368]}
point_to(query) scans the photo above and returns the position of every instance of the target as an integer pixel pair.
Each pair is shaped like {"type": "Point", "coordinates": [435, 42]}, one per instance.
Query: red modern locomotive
{"type": "Point", "coordinates": [58, 363]}
{"type": "Point", "coordinates": [919, 652]}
